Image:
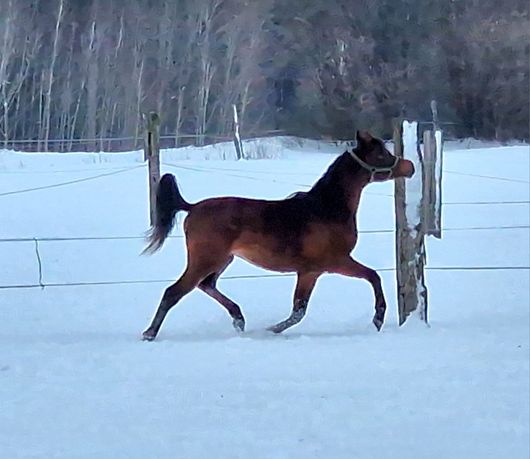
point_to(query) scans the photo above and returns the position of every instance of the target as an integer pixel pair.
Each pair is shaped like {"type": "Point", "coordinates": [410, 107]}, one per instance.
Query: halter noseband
{"type": "Point", "coordinates": [375, 169]}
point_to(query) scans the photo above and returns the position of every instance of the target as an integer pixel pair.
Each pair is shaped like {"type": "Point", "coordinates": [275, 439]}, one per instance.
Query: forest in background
{"type": "Point", "coordinates": [313, 68]}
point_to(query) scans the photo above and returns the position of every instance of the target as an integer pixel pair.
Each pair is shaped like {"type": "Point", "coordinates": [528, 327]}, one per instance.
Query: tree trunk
{"type": "Point", "coordinates": [51, 71]}
{"type": "Point", "coordinates": [92, 84]}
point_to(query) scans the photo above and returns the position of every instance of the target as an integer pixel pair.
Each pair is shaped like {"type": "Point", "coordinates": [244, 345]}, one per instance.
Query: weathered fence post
{"type": "Point", "coordinates": [429, 191]}
{"type": "Point", "coordinates": [410, 244]}
{"type": "Point", "coordinates": [437, 167]}
{"type": "Point", "coordinates": [237, 138]}
{"type": "Point", "coordinates": [418, 205]}
{"type": "Point", "coordinates": [152, 156]}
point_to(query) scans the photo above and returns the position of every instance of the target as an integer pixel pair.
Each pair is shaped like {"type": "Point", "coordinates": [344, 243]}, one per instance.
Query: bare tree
{"type": "Point", "coordinates": [15, 62]}
{"type": "Point", "coordinates": [88, 69]}
{"type": "Point", "coordinates": [47, 94]}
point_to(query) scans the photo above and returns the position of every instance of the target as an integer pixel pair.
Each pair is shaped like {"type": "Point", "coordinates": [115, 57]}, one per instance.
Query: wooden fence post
{"type": "Point", "coordinates": [410, 240]}
{"type": "Point", "coordinates": [152, 156]}
{"type": "Point", "coordinates": [429, 190]}
{"type": "Point", "coordinates": [437, 167]}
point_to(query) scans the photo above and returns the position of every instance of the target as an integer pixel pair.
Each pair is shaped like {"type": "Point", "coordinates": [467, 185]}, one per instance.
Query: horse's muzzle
{"type": "Point", "coordinates": [405, 168]}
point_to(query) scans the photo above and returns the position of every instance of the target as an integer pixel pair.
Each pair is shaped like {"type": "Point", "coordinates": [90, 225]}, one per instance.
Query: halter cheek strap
{"type": "Point", "coordinates": [375, 169]}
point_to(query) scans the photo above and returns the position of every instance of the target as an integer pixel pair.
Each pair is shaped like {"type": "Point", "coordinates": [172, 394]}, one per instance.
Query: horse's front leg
{"type": "Point", "coordinates": [304, 286]}
{"type": "Point", "coordinates": [352, 268]}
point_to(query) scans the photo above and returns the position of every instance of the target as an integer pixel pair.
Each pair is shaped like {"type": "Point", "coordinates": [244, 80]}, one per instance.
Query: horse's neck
{"type": "Point", "coordinates": [339, 199]}
{"type": "Point", "coordinates": [353, 191]}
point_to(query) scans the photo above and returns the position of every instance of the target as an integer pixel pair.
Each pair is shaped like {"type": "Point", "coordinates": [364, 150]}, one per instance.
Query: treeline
{"type": "Point", "coordinates": [315, 68]}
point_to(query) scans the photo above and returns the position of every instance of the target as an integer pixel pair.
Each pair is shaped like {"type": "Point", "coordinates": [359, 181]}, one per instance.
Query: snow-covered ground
{"type": "Point", "coordinates": [77, 382]}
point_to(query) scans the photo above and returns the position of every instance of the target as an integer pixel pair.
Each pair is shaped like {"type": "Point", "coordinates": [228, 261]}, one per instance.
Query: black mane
{"type": "Point", "coordinates": [328, 198]}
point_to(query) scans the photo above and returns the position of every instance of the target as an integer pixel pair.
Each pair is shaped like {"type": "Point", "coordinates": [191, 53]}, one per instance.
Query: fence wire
{"type": "Point", "coordinates": [230, 172]}
{"type": "Point", "coordinates": [70, 182]}
{"type": "Point", "coordinates": [43, 285]}
{"type": "Point", "coordinates": [181, 236]}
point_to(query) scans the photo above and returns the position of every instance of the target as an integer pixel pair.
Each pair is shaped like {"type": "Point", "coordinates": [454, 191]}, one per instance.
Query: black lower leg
{"type": "Point", "coordinates": [380, 302]}
{"type": "Point", "coordinates": [171, 296]}
{"type": "Point", "coordinates": [298, 313]}
{"type": "Point", "coordinates": [238, 321]}
{"type": "Point", "coordinates": [304, 286]}
{"type": "Point", "coordinates": [156, 323]}
{"type": "Point", "coordinates": [379, 316]}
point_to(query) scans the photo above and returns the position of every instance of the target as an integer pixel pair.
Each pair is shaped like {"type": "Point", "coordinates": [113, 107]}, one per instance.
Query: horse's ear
{"type": "Point", "coordinates": [364, 137]}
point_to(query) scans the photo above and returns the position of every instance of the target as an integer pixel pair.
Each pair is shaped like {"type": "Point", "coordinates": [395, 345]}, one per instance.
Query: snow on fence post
{"type": "Point", "coordinates": [152, 156]}
{"type": "Point", "coordinates": [410, 236]}
{"type": "Point", "coordinates": [237, 138]}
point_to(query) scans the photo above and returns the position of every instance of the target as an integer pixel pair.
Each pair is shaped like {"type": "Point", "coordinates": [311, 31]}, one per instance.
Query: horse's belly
{"type": "Point", "coordinates": [266, 259]}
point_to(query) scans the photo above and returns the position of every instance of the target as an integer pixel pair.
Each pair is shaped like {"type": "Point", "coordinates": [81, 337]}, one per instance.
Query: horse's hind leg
{"type": "Point", "coordinates": [209, 287]}
{"type": "Point", "coordinates": [304, 286]}
{"type": "Point", "coordinates": [352, 268]}
{"type": "Point", "coordinates": [203, 260]}
{"type": "Point", "coordinates": [173, 294]}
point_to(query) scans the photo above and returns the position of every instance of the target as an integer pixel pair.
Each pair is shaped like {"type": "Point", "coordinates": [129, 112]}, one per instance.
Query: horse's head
{"type": "Point", "coordinates": [377, 161]}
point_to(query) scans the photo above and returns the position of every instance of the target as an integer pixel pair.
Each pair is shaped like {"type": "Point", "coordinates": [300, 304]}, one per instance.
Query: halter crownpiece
{"type": "Point", "coordinates": [375, 169]}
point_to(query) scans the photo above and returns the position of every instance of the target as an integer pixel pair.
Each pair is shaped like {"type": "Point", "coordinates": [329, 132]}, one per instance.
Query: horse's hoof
{"type": "Point", "coordinates": [378, 323]}
{"type": "Point", "coordinates": [148, 335]}
{"type": "Point", "coordinates": [239, 325]}
{"type": "Point", "coordinates": [276, 329]}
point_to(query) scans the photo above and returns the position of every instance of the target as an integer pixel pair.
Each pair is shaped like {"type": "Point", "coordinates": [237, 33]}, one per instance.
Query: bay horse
{"type": "Point", "coordinates": [309, 233]}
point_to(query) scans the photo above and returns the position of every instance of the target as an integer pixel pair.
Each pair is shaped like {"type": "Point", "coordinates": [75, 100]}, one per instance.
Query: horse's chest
{"type": "Point", "coordinates": [329, 241]}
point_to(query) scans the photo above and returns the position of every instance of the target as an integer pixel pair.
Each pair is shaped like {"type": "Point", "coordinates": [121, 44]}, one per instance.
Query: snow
{"type": "Point", "coordinates": [77, 382]}
{"type": "Point", "coordinates": [414, 184]}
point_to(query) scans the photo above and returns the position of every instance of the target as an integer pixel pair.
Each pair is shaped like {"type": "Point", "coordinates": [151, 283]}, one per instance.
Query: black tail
{"type": "Point", "coordinates": [169, 201]}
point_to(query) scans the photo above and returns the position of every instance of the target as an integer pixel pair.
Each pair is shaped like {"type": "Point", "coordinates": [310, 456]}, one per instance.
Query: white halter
{"type": "Point", "coordinates": [375, 169]}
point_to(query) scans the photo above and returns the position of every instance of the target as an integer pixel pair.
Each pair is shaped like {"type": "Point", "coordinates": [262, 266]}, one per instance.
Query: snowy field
{"type": "Point", "coordinates": [77, 382]}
